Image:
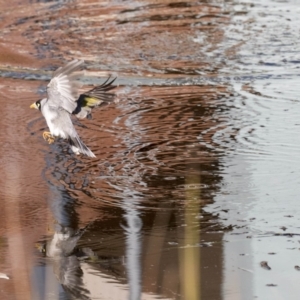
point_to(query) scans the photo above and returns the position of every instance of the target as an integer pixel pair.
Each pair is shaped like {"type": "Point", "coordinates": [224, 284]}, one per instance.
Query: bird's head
{"type": "Point", "coordinates": [37, 104]}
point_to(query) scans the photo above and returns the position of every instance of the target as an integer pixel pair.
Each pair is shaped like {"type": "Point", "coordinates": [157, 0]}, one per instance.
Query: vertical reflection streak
{"type": "Point", "coordinates": [133, 248]}
{"type": "Point", "coordinates": [17, 248]}
{"type": "Point", "coordinates": [12, 172]}
{"type": "Point", "coordinates": [157, 238]}
{"type": "Point", "coordinates": [190, 252]}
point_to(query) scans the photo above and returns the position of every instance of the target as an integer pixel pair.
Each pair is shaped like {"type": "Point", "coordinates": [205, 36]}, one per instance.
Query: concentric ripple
{"type": "Point", "coordinates": [149, 139]}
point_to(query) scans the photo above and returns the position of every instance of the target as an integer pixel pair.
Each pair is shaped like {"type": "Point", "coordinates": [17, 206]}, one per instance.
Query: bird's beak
{"type": "Point", "coordinates": [33, 105]}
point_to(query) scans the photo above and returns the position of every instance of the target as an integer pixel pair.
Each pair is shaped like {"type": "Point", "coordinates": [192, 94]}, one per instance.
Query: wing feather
{"type": "Point", "coordinates": [99, 95]}
{"type": "Point", "coordinates": [62, 90]}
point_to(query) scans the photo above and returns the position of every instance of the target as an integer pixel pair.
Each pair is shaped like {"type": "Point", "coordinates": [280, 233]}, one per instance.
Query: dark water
{"type": "Point", "coordinates": [194, 191]}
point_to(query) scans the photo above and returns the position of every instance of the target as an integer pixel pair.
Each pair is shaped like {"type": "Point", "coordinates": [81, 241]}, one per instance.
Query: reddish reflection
{"type": "Point", "coordinates": [146, 220]}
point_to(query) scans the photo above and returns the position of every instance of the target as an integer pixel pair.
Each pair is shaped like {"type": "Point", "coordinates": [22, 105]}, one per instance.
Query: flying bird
{"type": "Point", "coordinates": [62, 101]}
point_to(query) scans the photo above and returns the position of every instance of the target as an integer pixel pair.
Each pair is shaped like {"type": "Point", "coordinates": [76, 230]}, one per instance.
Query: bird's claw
{"type": "Point", "coordinates": [48, 137]}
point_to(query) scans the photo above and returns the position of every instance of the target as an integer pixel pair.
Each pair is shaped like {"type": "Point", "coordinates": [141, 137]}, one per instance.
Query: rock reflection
{"type": "Point", "coordinates": [147, 158]}
{"type": "Point", "coordinates": [206, 160]}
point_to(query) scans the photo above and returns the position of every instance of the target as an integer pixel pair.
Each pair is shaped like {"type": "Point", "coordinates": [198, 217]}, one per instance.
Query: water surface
{"type": "Point", "coordinates": [194, 191]}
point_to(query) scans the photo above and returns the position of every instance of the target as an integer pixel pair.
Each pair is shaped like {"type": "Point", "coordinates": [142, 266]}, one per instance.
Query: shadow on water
{"type": "Point", "coordinates": [196, 160]}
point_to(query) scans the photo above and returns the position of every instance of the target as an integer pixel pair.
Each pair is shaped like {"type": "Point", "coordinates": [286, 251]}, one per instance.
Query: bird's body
{"type": "Point", "coordinates": [53, 115]}
{"type": "Point", "coordinates": [63, 101]}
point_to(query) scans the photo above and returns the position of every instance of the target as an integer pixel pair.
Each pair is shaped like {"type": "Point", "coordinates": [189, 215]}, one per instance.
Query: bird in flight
{"type": "Point", "coordinates": [62, 101]}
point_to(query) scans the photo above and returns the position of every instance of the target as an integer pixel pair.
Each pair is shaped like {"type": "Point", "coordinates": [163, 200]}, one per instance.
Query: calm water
{"type": "Point", "coordinates": [194, 193]}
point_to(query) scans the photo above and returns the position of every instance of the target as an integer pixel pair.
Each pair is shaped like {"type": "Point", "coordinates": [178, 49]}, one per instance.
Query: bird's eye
{"type": "Point", "coordinates": [38, 104]}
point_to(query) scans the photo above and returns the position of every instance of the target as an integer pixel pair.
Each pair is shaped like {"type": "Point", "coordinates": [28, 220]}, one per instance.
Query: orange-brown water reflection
{"type": "Point", "coordinates": [144, 214]}
{"type": "Point", "coordinates": [23, 206]}
{"type": "Point", "coordinates": [139, 181]}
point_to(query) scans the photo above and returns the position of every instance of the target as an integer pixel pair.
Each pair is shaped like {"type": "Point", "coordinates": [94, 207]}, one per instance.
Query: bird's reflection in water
{"type": "Point", "coordinates": [74, 266]}
{"type": "Point", "coordinates": [61, 250]}
{"type": "Point", "coordinates": [66, 258]}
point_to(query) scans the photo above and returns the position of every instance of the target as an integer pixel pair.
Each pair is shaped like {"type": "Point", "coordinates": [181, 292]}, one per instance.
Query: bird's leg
{"type": "Point", "coordinates": [48, 137]}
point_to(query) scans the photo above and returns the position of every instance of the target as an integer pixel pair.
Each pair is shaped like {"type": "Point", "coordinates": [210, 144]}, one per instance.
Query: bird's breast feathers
{"type": "Point", "coordinates": [53, 118]}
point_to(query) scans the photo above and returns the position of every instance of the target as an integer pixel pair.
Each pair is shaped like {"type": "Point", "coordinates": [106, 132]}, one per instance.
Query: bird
{"type": "Point", "coordinates": [62, 102]}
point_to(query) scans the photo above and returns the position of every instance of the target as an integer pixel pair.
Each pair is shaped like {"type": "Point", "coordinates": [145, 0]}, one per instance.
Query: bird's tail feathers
{"type": "Point", "coordinates": [78, 146]}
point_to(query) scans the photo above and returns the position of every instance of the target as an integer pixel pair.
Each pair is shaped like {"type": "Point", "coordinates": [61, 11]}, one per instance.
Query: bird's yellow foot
{"type": "Point", "coordinates": [48, 137]}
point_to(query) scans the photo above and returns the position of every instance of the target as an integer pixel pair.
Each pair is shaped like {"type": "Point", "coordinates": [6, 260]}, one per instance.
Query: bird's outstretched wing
{"type": "Point", "coordinates": [95, 97]}
{"type": "Point", "coordinates": [62, 90]}
{"type": "Point", "coordinates": [101, 92]}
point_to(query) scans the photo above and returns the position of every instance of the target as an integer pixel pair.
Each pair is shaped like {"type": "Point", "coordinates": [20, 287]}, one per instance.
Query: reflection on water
{"type": "Point", "coordinates": [133, 246]}
{"type": "Point", "coordinates": [196, 178]}
{"type": "Point", "coordinates": [61, 248]}
{"type": "Point", "coordinates": [190, 255]}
